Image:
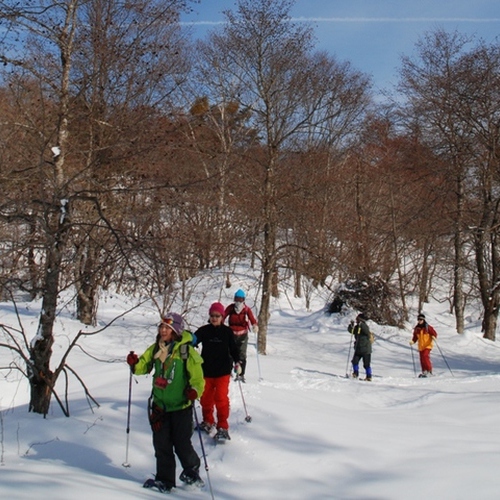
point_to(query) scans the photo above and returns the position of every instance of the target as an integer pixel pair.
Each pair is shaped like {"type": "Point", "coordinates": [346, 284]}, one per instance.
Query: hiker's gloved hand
{"type": "Point", "coordinates": [191, 394]}
{"type": "Point", "coordinates": [412, 342]}
{"type": "Point", "coordinates": [132, 359]}
{"type": "Point", "coordinates": [237, 369]}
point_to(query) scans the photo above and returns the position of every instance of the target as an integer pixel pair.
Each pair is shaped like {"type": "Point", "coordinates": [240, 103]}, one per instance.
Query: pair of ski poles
{"type": "Point", "coordinates": [440, 351]}
{"type": "Point", "coordinates": [126, 463]}
{"type": "Point", "coordinates": [412, 358]}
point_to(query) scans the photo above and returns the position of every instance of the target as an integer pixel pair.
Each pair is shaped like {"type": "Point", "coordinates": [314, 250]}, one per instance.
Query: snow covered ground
{"type": "Point", "coordinates": [314, 433]}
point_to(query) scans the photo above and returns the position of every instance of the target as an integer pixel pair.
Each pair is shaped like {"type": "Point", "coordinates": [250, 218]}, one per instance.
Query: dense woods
{"type": "Point", "coordinates": [134, 157]}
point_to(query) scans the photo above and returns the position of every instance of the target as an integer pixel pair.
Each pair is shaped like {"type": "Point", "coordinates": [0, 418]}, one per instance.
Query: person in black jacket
{"type": "Point", "coordinates": [219, 353]}
{"type": "Point", "coordinates": [362, 346]}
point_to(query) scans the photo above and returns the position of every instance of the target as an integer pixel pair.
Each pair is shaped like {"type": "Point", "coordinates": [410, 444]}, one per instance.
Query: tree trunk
{"type": "Point", "coordinates": [267, 287]}
{"type": "Point", "coordinates": [424, 282]}
{"type": "Point", "coordinates": [458, 270]}
{"type": "Point", "coordinates": [264, 309]}
{"type": "Point", "coordinates": [58, 222]}
{"type": "Point", "coordinates": [87, 283]}
{"type": "Point", "coordinates": [268, 268]}
{"type": "Point", "coordinates": [485, 244]}
{"type": "Point", "coordinates": [489, 324]}
{"type": "Point", "coordinates": [40, 375]}
{"type": "Point", "coordinates": [297, 281]}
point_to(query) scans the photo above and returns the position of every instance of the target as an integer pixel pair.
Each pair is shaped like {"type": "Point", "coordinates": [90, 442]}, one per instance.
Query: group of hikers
{"type": "Point", "coordinates": [182, 375]}
{"type": "Point", "coordinates": [423, 336]}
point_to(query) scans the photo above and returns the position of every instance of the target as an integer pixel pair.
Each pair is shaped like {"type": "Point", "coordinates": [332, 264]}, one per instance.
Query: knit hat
{"type": "Point", "coordinates": [361, 317]}
{"type": "Point", "coordinates": [421, 316]}
{"type": "Point", "coordinates": [174, 321]}
{"type": "Point", "coordinates": [217, 308]}
{"type": "Point", "coordinates": [240, 294]}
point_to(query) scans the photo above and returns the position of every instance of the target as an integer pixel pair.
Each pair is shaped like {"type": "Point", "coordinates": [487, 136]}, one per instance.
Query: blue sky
{"type": "Point", "coordinates": [373, 34]}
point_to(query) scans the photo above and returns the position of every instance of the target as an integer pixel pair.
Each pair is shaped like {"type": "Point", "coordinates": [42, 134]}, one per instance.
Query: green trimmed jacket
{"type": "Point", "coordinates": [179, 374]}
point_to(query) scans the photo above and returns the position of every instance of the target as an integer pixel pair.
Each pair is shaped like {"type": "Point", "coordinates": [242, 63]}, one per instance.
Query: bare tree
{"type": "Point", "coordinates": [429, 84]}
{"type": "Point", "coordinates": [58, 23]}
{"type": "Point", "coordinates": [265, 62]}
{"type": "Point", "coordinates": [478, 90]}
{"type": "Point", "coordinates": [73, 57]}
{"type": "Point", "coordinates": [123, 78]}
{"type": "Point", "coordinates": [452, 89]}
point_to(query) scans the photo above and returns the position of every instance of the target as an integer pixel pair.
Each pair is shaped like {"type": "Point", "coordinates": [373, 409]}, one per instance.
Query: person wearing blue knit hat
{"type": "Point", "coordinates": [240, 320]}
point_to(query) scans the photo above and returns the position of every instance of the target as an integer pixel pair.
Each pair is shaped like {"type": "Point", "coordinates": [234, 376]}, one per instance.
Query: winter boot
{"type": "Point", "coordinates": [191, 476]}
{"type": "Point", "coordinates": [355, 374]}
{"type": "Point", "coordinates": [159, 485]}
{"type": "Point", "coordinates": [222, 435]}
{"type": "Point", "coordinates": [206, 427]}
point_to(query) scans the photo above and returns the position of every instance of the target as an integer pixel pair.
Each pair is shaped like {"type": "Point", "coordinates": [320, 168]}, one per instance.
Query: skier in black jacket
{"type": "Point", "coordinates": [219, 353]}
{"type": "Point", "coordinates": [362, 346]}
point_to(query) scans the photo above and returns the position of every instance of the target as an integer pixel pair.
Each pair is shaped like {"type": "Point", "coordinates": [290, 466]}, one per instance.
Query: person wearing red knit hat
{"type": "Point", "coordinates": [219, 353]}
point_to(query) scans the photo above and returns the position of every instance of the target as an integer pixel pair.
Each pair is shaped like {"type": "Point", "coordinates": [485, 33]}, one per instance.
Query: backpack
{"type": "Point", "coordinates": [371, 336]}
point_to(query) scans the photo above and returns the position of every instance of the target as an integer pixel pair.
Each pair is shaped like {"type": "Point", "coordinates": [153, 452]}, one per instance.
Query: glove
{"type": "Point", "coordinates": [255, 329]}
{"type": "Point", "coordinates": [132, 359]}
{"type": "Point", "coordinates": [191, 394]}
{"type": "Point", "coordinates": [156, 418]}
{"type": "Point", "coordinates": [237, 368]}
{"type": "Point", "coordinates": [412, 342]}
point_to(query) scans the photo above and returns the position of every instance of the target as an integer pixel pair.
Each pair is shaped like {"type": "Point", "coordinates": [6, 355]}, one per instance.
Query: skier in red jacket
{"type": "Point", "coordinates": [424, 334]}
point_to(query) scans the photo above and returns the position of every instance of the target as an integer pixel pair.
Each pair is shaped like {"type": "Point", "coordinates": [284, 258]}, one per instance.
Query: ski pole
{"type": "Point", "coordinates": [126, 463]}
{"type": "Point", "coordinates": [248, 418]}
{"type": "Point", "coordinates": [203, 451]}
{"type": "Point", "coordinates": [348, 356]}
{"type": "Point", "coordinates": [444, 359]}
{"type": "Point", "coordinates": [413, 360]}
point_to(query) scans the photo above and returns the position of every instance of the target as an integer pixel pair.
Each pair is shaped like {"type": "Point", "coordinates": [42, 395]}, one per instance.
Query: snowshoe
{"type": "Point", "coordinates": [208, 428]}
{"type": "Point", "coordinates": [159, 485]}
{"type": "Point", "coordinates": [222, 435]}
{"type": "Point", "coordinates": [191, 477]}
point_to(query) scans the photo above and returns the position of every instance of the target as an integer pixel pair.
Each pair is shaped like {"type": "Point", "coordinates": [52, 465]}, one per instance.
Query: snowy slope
{"type": "Point", "coordinates": [314, 433]}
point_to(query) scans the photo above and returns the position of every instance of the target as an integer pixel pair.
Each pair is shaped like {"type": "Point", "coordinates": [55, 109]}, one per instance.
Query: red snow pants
{"type": "Point", "coordinates": [216, 394]}
{"type": "Point", "coordinates": [425, 360]}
